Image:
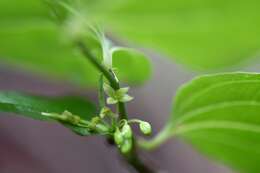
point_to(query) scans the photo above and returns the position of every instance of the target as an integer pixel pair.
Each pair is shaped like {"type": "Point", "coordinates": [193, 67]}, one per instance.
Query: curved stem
{"type": "Point", "coordinates": [134, 121]}
{"type": "Point", "coordinates": [160, 138]}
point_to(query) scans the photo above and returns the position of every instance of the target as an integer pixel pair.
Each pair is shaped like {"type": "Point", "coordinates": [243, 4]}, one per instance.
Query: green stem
{"type": "Point", "coordinates": [164, 135]}
{"type": "Point", "coordinates": [122, 110]}
{"type": "Point", "coordinates": [101, 128]}
{"type": "Point", "coordinates": [101, 94]}
{"type": "Point", "coordinates": [106, 72]}
{"type": "Point", "coordinates": [114, 84]}
{"type": "Point", "coordinates": [131, 157]}
{"type": "Point", "coordinates": [134, 121]}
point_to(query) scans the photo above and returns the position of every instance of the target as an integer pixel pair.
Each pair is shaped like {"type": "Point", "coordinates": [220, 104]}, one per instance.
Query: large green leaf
{"type": "Point", "coordinates": [32, 40]}
{"type": "Point", "coordinates": [33, 107]}
{"type": "Point", "coordinates": [219, 115]}
{"type": "Point", "coordinates": [202, 34]}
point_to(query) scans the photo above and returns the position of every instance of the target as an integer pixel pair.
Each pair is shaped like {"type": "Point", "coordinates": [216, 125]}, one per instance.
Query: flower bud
{"type": "Point", "coordinates": [126, 146]}
{"type": "Point", "coordinates": [127, 131]}
{"type": "Point", "coordinates": [145, 128]}
{"type": "Point", "coordinates": [118, 137]}
{"type": "Point", "coordinates": [73, 119]}
{"type": "Point", "coordinates": [104, 112]}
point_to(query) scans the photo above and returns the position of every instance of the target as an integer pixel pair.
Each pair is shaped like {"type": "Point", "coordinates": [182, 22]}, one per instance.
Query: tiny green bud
{"type": "Point", "coordinates": [104, 112]}
{"type": "Point", "coordinates": [67, 113]}
{"type": "Point", "coordinates": [126, 146]}
{"type": "Point", "coordinates": [145, 128]}
{"type": "Point", "coordinates": [74, 119]}
{"type": "Point", "coordinates": [95, 120]}
{"type": "Point", "coordinates": [69, 117]}
{"type": "Point", "coordinates": [118, 137]}
{"type": "Point", "coordinates": [127, 131]}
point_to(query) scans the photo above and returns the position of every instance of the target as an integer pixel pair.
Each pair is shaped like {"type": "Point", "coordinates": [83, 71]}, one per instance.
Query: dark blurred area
{"type": "Point", "coordinates": [33, 146]}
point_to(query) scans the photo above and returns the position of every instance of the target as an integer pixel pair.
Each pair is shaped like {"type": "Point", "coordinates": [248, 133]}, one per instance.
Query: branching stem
{"type": "Point", "coordinates": [106, 72]}
{"type": "Point", "coordinates": [131, 157]}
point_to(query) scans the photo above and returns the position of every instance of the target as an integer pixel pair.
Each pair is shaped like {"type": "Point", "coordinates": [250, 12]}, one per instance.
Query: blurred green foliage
{"type": "Point", "coordinates": [34, 39]}
{"type": "Point", "coordinates": [202, 34]}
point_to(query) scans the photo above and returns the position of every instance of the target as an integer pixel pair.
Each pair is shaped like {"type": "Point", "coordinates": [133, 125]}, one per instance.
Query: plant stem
{"type": "Point", "coordinates": [122, 110]}
{"type": "Point", "coordinates": [131, 157]}
{"type": "Point", "coordinates": [101, 94]}
{"type": "Point", "coordinates": [160, 138]}
{"type": "Point", "coordinates": [110, 77]}
{"type": "Point", "coordinates": [106, 72]}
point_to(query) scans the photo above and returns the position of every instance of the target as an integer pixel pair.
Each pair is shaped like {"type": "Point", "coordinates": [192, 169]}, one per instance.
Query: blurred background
{"type": "Point", "coordinates": [33, 146]}
{"type": "Point", "coordinates": [182, 38]}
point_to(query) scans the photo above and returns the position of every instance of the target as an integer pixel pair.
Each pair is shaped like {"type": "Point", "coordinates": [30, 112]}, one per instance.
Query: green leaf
{"type": "Point", "coordinates": [219, 115]}
{"type": "Point", "coordinates": [31, 40]}
{"type": "Point", "coordinates": [131, 65]}
{"type": "Point", "coordinates": [201, 34]}
{"type": "Point", "coordinates": [33, 107]}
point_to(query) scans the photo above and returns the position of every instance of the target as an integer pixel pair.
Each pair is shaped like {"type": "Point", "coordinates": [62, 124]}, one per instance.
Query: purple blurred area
{"type": "Point", "coordinates": [28, 146]}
